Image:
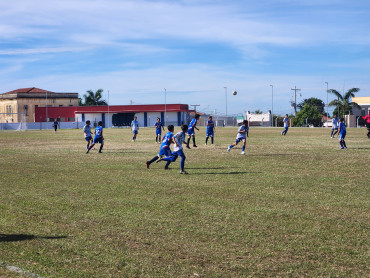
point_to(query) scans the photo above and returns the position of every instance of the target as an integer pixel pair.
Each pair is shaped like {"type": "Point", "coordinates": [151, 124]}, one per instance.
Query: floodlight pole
{"type": "Point", "coordinates": [165, 106]}
{"type": "Point", "coordinates": [46, 106]}
{"type": "Point", "coordinates": [108, 108]}
{"type": "Point", "coordinates": [272, 105]}
{"type": "Point", "coordinates": [226, 99]}
{"type": "Point", "coordinates": [327, 104]}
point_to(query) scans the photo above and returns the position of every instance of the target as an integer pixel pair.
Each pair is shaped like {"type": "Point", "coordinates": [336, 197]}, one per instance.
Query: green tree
{"type": "Point", "coordinates": [344, 102]}
{"type": "Point", "coordinates": [94, 98]}
{"type": "Point", "coordinates": [258, 111]}
{"type": "Point", "coordinates": [318, 103]}
{"type": "Point", "coordinates": [309, 112]}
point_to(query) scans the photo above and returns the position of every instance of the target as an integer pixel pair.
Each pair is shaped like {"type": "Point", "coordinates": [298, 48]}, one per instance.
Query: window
{"type": "Point", "coordinates": [8, 109]}
{"type": "Point", "coordinates": [363, 112]}
{"type": "Point", "coordinates": [71, 119]}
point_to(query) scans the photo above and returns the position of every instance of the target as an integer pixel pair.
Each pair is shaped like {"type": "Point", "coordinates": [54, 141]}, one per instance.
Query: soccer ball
{"type": "Point", "coordinates": [235, 93]}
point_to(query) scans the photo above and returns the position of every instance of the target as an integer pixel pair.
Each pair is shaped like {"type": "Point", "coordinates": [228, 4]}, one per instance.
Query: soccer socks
{"type": "Point", "coordinates": [212, 140]}
{"type": "Point", "coordinates": [153, 159]}
{"type": "Point", "coordinates": [194, 145]}
{"type": "Point", "coordinates": [92, 145]}
{"type": "Point", "coordinates": [207, 139]}
{"type": "Point", "coordinates": [243, 148]}
{"type": "Point", "coordinates": [344, 144]}
{"type": "Point", "coordinates": [187, 143]}
{"type": "Point", "coordinates": [231, 146]}
{"type": "Point", "coordinates": [182, 163]}
{"type": "Point", "coordinates": [101, 147]}
{"type": "Point", "coordinates": [341, 144]}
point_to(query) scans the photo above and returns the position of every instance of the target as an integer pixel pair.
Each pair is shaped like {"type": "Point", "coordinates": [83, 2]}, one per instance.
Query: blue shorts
{"type": "Point", "coordinates": [88, 138]}
{"type": "Point", "coordinates": [175, 155]}
{"type": "Point", "coordinates": [98, 140]}
{"type": "Point", "coordinates": [166, 151]}
{"type": "Point", "coordinates": [209, 133]}
{"type": "Point", "coordinates": [191, 131]}
{"type": "Point", "coordinates": [135, 131]}
{"type": "Point", "coordinates": [335, 128]}
{"type": "Point", "coordinates": [158, 132]}
{"type": "Point", "coordinates": [342, 135]}
{"type": "Point", "coordinates": [240, 139]}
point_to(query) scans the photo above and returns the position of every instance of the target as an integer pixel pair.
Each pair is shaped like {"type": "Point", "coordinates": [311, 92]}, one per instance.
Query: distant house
{"type": "Point", "coordinates": [264, 120]}
{"type": "Point", "coordinates": [364, 103]}
{"type": "Point", "coordinates": [20, 105]}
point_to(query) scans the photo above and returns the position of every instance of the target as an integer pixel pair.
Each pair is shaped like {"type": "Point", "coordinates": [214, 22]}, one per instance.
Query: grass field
{"type": "Point", "coordinates": [293, 206]}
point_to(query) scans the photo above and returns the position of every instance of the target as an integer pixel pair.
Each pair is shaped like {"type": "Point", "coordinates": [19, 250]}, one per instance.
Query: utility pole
{"type": "Point", "coordinates": [195, 107]}
{"type": "Point", "coordinates": [295, 100]}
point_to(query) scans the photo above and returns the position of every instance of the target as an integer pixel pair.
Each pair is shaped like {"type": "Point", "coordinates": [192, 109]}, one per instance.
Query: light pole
{"type": "Point", "coordinates": [327, 104]}
{"type": "Point", "coordinates": [165, 106]}
{"type": "Point", "coordinates": [272, 105]}
{"type": "Point", "coordinates": [108, 108]}
{"type": "Point", "coordinates": [226, 98]}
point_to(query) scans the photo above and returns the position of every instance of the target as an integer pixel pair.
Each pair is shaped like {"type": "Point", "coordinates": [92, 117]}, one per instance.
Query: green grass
{"type": "Point", "coordinates": [293, 206]}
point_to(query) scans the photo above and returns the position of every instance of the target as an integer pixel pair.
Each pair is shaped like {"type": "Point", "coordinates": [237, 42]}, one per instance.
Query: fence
{"type": "Point", "coordinates": [39, 125]}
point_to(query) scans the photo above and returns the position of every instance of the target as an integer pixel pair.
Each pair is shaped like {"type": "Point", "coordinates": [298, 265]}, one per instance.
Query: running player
{"type": "Point", "coordinates": [98, 137]}
{"type": "Point", "coordinates": [165, 146]}
{"type": "Point", "coordinates": [242, 134]}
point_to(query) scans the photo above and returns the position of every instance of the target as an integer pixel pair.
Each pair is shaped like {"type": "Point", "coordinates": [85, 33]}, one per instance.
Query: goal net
{"type": "Point", "coordinates": [7, 121]}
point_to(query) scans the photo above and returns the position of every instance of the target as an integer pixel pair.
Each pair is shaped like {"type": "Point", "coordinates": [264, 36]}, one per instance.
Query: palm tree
{"type": "Point", "coordinates": [343, 102]}
{"type": "Point", "coordinates": [94, 98]}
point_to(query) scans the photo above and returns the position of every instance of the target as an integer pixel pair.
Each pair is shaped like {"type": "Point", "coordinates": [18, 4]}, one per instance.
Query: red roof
{"type": "Point", "coordinates": [28, 90]}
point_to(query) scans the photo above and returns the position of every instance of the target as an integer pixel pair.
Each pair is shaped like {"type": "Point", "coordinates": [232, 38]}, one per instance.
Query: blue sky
{"type": "Point", "coordinates": [194, 49]}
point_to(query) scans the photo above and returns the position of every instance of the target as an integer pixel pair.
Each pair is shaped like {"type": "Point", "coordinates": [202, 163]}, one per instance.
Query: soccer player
{"type": "Point", "coordinates": [210, 129]}
{"type": "Point", "coordinates": [342, 134]}
{"type": "Point", "coordinates": [286, 125]}
{"type": "Point", "coordinates": [55, 125]}
{"type": "Point", "coordinates": [134, 128]}
{"type": "Point", "coordinates": [165, 146]}
{"type": "Point", "coordinates": [192, 126]}
{"type": "Point", "coordinates": [87, 134]}
{"type": "Point", "coordinates": [158, 130]}
{"type": "Point", "coordinates": [242, 134]}
{"type": "Point", "coordinates": [98, 137]}
{"type": "Point", "coordinates": [367, 120]}
{"type": "Point", "coordinates": [179, 138]}
{"type": "Point", "coordinates": [334, 128]}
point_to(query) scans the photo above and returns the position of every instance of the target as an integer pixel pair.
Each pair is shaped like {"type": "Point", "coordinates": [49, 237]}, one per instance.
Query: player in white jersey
{"type": "Point", "coordinates": [334, 128]}
{"type": "Point", "coordinates": [242, 134]}
{"type": "Point", "coordinates": [286, 125]}
{"type": "Point", "coordinates": [179, 138]}
{"type": "Point", "coordinates": [87, 133]}
{"type": "Point", "coordinates": [134, 128]}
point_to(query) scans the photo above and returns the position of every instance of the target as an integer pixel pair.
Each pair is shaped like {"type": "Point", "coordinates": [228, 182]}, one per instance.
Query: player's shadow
{"type": "Point", "coordinates": [210, 168]}
{"type": "Point", "coordinates": [229, 173]}
{"type": "Point", "coordinates": [22, 237]}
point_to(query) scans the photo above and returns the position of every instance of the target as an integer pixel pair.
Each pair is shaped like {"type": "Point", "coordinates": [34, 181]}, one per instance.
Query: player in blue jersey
{"type": "Point", "coordinates": [191, 132]}
{"type": "Point", "coordinates": [342, 134]}
{"type": "Point", "coordinates": [158, 130]}
{"type": "Point", "coordinates": [98, 137]}
{"type": "Point", "coordinates": [179, 138]}
{"type": "Point", "coordinates": [134, 128]}
{"type": "Point", "coordinates": [165, 146]}
{"type": "Point", "coordinates": [87, 133]}
{"type": "Point", "coordinates": [243, 132]}
{"type": "Point", "coordinates": [286, 125]}
{"type": "Point", "coordinates": [210, 129]}
{"type": "Point", "coordinates": [334, 128]}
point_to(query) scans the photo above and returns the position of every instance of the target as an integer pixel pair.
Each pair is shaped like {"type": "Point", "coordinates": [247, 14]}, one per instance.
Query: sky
{"type": "Point", "coordinates": [194, 52]}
